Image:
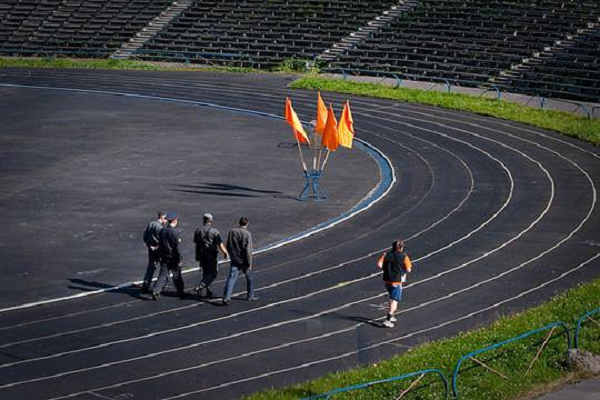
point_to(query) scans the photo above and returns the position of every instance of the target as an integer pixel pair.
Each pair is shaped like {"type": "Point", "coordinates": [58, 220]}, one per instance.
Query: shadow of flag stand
{"type": "Point", "coordinates": [325, 136]}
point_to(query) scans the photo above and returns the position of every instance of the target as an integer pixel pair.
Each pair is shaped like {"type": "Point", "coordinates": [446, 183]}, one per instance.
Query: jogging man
{"type": "Point", "coordinates": [395, 265]}
{"type": "Point", "coordinates": [208, 243]}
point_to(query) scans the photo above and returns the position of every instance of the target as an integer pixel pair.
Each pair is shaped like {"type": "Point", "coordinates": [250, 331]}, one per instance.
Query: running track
{"type": "Point", "coordinates": [499, 217]}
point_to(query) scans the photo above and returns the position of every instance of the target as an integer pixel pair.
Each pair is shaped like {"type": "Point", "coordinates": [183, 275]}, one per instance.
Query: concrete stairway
{"type": "Point", "coordinates": [372, 27]}
{"type": "Point", "coordinates": [152, 29]}
{"type": "Point", "coordinates": [538, 58]}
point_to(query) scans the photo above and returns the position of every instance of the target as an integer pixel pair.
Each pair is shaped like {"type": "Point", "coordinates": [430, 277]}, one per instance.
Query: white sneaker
{"type": "Point", "coordinates": [393, 319]}
{"type": "Point", "coordinates": [387, 323]}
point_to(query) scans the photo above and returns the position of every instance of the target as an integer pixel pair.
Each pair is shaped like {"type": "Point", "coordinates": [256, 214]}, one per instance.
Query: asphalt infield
{"type": "Point", "coordinates": [498, 217]}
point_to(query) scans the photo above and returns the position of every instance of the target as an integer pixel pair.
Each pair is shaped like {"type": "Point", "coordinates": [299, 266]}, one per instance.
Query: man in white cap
{"type": "Point", "coordinates": [208, 243]}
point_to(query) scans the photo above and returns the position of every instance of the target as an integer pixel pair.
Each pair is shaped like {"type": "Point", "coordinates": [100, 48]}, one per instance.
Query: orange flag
{"type": "Point", "coordinates": [346, 127]}
{"type": "Point", "coordinates": [330, 133]}
{"type": "Point", "coordinates": [321, 115]}
{"type": "Point", "coordinates": [292, 118]}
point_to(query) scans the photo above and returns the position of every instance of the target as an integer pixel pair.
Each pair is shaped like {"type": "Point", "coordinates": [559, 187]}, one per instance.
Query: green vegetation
{"type": "Point", "coordinates": [558, 121]}
{"type": "Point", "coordinates": [476, 382]}
{"type": "Point", "coordinates": [292, 65]}
{"type": "Point", "coordinates": [59, 62]}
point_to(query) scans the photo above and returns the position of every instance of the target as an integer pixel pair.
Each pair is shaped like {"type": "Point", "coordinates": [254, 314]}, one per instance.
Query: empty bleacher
{"type": "Point", "coordinates": [573, 73]}
{"type": "Point", "coordinates": [266, 31]}
{"type": "Point", "coordinates": [514, 44]}
{"type": "Point", "coordinates": [90, 28]}
{"type": "Point", "coordinates": [469, 41]}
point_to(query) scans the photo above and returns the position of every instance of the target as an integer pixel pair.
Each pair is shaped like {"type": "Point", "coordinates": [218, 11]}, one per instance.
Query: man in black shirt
{"type": "Point", "coordinates": [151, 240]}
{"type": "Point", "coordinates": [208, 243]}
{"type": "Point", "coordinates": [395, 265]}
{"type": "Point", "coordinates": [170, 257]}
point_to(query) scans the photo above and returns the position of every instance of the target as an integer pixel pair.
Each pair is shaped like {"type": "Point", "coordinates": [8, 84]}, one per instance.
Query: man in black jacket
{"type": "Point", "coordinates": [239, 248]}
{"type": "Point", "coordinates": [151, 240]}
{"type": "Point", "coordinates": [170, 257]}
{"type": "Point", "coordinates": [208, 243]}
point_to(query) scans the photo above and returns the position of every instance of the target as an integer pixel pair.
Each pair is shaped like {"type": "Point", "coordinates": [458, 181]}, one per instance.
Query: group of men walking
{"type": "Point", "coordinates": [164, 255]}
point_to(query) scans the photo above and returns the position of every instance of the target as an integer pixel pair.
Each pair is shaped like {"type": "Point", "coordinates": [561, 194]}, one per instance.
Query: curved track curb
{"type": "Point", "coordinates": [386, 182]}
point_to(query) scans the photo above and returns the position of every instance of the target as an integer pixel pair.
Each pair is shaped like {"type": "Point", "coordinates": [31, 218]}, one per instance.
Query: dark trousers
{"type": "Point", "coordinates": [153, 264]}
{"type": "Point", "coordinates": [209, 267]}
{"type": "Point", "coordinates": [167, 266]}
{"type": "Point", "coordinates": [232, 278]}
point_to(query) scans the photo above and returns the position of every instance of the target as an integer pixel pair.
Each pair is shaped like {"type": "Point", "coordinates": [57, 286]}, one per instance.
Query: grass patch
{"type": "Point", "coordinates": [476, 382]}
{"type": "Point", "coordinates": [558, 121]}
{"type": "Point", "coordinates": [77, 63]}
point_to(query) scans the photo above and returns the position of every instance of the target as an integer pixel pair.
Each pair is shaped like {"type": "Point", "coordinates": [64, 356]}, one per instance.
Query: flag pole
{"type": "Point", "coordinates": [301, 156]}
{"type": "Point", "coordinates": [326, 158]}
{"type": "Point", "coordinates": [319, 162]}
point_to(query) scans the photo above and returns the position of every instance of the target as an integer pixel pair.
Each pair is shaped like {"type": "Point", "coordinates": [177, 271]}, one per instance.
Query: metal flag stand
{"type": "Point", "coordinates": [312, 190]}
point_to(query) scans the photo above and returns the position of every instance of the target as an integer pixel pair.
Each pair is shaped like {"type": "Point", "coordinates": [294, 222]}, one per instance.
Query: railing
{"type": "Point", "coordinates": [552, 327]}
{"type": "Point", "coordinates": [452, 85]}
{"type": "Point", "coordinates": [189, 56]}
{"type": "Point", "coordinates": [367, 385]}
{"type": "Point", "coordinates": [587, 316]}
{"type": "Point", "coordinates": [471, 356]}
{"type": "Point", "coordinates": [400, 77]}
{"type": "Point", "coordinates": [59, 52]}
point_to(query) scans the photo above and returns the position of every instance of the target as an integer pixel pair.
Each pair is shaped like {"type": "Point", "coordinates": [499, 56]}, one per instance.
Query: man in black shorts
{"type": "Point", "coordinates": [395, 265]}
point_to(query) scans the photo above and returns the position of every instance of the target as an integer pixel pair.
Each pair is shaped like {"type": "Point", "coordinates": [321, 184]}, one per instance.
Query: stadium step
{"type": "Point", "coordinates": [153, 28]}
{"type": "Point", "coordinates": [538, 58]}
{"type": "Point", "coordinates": [372, 27]}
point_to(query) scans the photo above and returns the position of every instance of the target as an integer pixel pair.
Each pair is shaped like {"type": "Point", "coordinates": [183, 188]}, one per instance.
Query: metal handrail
{"type": "Point", "coordinates": [505, 342]}
{"type": "Point", "coordinates": [366, 385]}
{"type": "Point", "coordinates": [580, 322]}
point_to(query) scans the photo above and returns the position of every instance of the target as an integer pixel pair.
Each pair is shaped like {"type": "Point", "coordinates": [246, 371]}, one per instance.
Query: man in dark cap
{"type": "Point", "coordinates": [170, 257]}
{"type": "Point", "coordinates": [151, 240]}
{"type": "Point", "coordinates": [208, 243]}
{"type": "Point", "coordinates": [239, 248]}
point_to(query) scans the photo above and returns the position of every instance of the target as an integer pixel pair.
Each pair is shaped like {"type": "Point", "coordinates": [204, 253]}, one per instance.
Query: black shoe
{"type": "Point", "coordinates": [198, 291]}
{"type": "Point", "coordinates": [225, 302]}
{"type": "Point", "coordinates": [209, 294]}
{"type": "Point", "coordinates": [155, 296]}
{"type": "Point", "coordinates": [253, 298]}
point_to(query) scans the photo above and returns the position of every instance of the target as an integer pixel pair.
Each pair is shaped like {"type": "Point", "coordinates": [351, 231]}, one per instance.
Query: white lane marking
{"type": "Point", "coordinates": [303, 235]}
{"type": "Point", "coordinates": [540, 217]}
{"type": "Point", "coordinates": [73, 314]}
{"type": "Point", "coordinates": [109, 364]}
{"type": "Point", "coordinates": [327, 335]}
{"type": "Point", "coordinates": [426, 110]}
{"type": "Point", "coordinates": [495, 215]}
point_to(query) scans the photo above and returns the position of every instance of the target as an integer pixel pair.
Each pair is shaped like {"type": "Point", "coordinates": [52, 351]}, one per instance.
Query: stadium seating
{"type": "Point", "coordinates": [265, 32]}
{"type": "Point", "coordinates": [90, 28]}
{"type": "Point", "coordinates": [469, 41]}
{"type": "Point", "coordinates": [571, 74]}
{"type": "Point", "coordinates": [549, 48]}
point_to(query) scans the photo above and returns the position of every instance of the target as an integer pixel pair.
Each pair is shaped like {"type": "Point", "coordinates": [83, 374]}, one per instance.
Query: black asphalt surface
{"type": "Point", "coordinates": [498, 217]}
